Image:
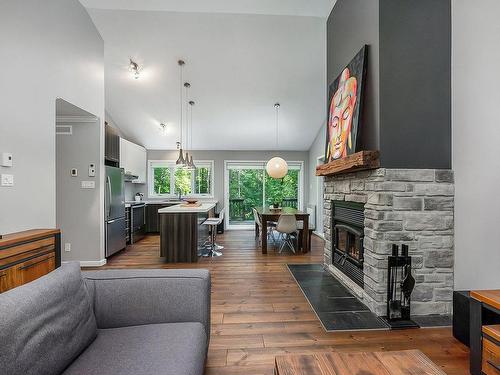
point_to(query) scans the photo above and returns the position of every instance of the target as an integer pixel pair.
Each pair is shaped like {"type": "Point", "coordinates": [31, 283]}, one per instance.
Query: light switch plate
{"type": "Point", "coordinates": [74, 172]}
{"type": "Point", "coordinates": [7, 180]}
{"type": "Point", "coordinates": [6, 159]}
{"type": "Point", "coordinates": [88, 184]}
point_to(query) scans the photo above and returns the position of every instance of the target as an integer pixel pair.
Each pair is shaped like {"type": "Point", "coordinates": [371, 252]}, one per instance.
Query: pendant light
{"type": "Point", "coordinates": [188, 158]}
{"type": "Point", "coordinates": [277, 167]}
{"type": "Point", "coordinates": [181, 162]}
{"type": "Point", "coordinates": [190, 123]}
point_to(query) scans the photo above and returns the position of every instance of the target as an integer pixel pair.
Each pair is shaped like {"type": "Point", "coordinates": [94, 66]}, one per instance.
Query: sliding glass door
{"type": "Point", "coordinates": [248, 185]}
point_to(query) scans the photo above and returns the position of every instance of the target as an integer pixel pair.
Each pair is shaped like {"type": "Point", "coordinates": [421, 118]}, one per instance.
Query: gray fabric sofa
{"type": "Point", "coordinates": [107, 322]}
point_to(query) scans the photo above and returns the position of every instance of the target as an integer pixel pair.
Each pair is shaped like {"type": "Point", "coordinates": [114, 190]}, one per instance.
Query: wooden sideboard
{"type": "Point", "coordinates": [485, 332]}
{"type": "Point", "coordinates": [26, 256]}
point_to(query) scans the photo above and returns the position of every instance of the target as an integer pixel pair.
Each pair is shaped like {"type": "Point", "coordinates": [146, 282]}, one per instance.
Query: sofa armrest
{"type": "Point", "coordinates": [134, 297]}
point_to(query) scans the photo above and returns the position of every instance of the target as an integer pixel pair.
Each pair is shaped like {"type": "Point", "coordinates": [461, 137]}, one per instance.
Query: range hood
{"type": "Point", "coordinates": [130, 177]}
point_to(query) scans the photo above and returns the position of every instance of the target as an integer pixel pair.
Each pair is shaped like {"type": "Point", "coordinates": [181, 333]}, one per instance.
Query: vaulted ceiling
{"type": "Point", "coordinates": [241, 57]}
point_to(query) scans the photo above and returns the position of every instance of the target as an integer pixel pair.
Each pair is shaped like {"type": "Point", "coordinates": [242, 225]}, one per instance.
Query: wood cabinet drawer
{"type": "Point", "coordinates": [27, 271]}
{"type": "Point", "coordinates": [7, 279]}
{"type": "Point", "coordinates": [491, 358]}
{"type": "Point", "coordinates": [34, 268]}
{"type": "Point", "coordinates": [18, 252]}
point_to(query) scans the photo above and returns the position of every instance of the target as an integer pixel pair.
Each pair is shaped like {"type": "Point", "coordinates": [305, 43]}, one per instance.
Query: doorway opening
{"type": "Point", "coordinates": [78, 183]}
{"type": "Point", "coordinates": [320, 201]}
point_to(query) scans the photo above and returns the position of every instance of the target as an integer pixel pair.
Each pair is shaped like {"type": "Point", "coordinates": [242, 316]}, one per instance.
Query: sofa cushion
{"type": "Point", "coordinates": [46, 323]}
{"type": "Point", "coordinates": [153, 349]}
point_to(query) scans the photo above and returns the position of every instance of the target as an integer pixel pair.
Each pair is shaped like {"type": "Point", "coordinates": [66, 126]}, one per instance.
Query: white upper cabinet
{"type": "Point", "coordinates": [133, 160]}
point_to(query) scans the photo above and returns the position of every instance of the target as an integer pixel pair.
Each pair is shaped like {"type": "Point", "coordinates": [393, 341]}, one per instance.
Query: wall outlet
{"type": "Point", "coordinates": [6, 159]}
{"type": "Point", "coordinates": [91, 170]}
{"type": "Point", "coordinates": [67, 246]}
{"type": "Point", "coordinates": [7, 180]}
{"type": "Point", "coordinates": [88, 184]}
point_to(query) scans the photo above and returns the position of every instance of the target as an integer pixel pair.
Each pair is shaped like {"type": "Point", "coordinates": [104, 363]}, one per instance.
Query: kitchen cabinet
{"type": "Point", "coordinates": [133, 159]}
{"type": "Point", "coordinates": [111, 146]}
{"type": "Point", "coordinates": [137, 222]}
{"type": "Point", "coordinates": [28, 255]}
{"type": "Point", "coordinates": [152, 216]}
{"type": "Point", "coordinates": [127, 225]}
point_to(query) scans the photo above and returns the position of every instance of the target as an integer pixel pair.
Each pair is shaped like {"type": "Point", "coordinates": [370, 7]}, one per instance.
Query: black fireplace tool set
{"type": "Point", "coordinates": [400, 284]}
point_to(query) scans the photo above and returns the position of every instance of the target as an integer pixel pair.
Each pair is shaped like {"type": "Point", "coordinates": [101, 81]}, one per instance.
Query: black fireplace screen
{"type": "Point", "coordinates": [347, 240]}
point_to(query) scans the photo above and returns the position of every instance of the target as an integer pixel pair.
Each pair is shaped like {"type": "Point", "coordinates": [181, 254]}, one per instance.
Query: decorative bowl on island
{"type": "Point", "coordinates": [191, 200]}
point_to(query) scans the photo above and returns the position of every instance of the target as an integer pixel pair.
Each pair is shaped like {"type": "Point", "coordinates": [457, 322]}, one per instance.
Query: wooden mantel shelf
{"type": "Point", "coordinates": [351, 163]}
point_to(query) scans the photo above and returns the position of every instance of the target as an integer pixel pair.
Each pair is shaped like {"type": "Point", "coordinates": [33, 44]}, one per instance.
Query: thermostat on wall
{"type": "Point", "coordinates": [6, 159]}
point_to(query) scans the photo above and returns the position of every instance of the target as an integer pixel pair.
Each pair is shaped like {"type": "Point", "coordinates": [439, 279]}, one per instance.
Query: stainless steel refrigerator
{"type": "Point", "coordinates": [114, 204]}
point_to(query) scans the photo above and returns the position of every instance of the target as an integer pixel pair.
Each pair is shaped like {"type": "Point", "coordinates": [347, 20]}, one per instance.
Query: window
{"type": "Point", "coordinates": [247, 185]}
{"type": "Point", "coordinates": [166, 179]}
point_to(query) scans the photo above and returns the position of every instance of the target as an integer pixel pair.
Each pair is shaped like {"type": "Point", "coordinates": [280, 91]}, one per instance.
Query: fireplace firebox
{"type": "Point", "coordinates": [347, 238]}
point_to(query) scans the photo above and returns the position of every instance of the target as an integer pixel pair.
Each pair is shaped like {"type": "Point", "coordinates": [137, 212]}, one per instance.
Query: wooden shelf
{"type": "Point", "coordinates": [359, 161]}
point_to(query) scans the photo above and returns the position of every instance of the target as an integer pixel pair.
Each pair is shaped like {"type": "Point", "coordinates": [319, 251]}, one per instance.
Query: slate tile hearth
{"type": "Point", "coordinates": [336, 307]}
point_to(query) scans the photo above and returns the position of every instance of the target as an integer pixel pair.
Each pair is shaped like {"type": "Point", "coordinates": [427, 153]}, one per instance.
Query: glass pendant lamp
{"type": "Point", "coordinates": [181, 162]}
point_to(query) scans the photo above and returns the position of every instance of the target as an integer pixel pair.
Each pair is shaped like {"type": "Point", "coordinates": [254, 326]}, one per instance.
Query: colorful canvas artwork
{"type": "Point", "coordinates": [345, 104]}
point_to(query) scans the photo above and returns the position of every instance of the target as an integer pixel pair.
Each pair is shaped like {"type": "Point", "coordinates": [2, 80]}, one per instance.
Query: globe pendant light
{"type": "Point", "coordinates": [181, 162]}
{"type": "Point", "coordinates": [277, 167]}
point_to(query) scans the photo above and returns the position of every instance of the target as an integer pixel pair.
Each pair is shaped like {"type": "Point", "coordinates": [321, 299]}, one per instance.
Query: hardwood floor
{"type": "Point", "coordinates": [258, 311]}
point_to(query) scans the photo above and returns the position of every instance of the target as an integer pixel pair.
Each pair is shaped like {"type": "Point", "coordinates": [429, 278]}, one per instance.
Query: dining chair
{"type": "Point", "coordinates": [271, 225]}
{"type": "Point", "coordinates": [286, 227]}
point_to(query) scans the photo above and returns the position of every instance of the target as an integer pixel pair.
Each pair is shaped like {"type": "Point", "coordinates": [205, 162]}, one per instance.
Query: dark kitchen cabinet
{"type": "Point", "coordinates": [111, 146]}
{"type": "Point", "coordinates": [153, 218]}
{"type": "Point", "coordinates": [137, 222]}
{"type": "Point", "coordinates": [127, 225]}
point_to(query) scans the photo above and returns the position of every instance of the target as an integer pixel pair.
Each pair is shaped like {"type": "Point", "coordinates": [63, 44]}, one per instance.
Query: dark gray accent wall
{"type": "Point", "coordinates": [352, 24]}
{"type": "Point", "coordinates": [407, 104]}
{"type": "Point", "coordinates": [415, 83]}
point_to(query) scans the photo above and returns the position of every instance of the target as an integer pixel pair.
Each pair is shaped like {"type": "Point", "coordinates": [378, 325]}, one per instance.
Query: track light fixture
{"type": "Point", "coordinates": [134, 68]}
{"type": "Point", "coordinates": [163, 129]}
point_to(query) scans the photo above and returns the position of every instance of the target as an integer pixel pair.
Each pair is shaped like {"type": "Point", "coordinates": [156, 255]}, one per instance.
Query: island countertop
{"type": "Point", "coordinates": [179, 208]}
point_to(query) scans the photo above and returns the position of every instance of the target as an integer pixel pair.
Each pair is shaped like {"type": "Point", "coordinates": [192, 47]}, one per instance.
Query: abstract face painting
{"type": "Point", "coordinates": [340, 117]}
{"type": "Point", "coordinates": [343, 113]}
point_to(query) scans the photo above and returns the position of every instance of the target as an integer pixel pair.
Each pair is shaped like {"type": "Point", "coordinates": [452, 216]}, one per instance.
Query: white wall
{"type": "Point", "coordinates": [78, 210]}
{"type": "Point", "coordinates": [49, 49]}
{"type": "Point", "coordinates": [476, 140]}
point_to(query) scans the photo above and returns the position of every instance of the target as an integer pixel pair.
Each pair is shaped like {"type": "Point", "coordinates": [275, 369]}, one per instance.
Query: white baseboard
{"type": "Point", "coordinates": [92, 263]}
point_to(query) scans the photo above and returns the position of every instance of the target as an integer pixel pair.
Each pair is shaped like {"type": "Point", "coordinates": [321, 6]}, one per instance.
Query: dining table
{"type": "Point", "coordinates": [268, 214]}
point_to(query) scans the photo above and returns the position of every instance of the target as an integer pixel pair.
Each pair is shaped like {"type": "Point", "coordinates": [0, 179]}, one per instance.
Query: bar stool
{"type": "Point", "coordinates": [213, 222]}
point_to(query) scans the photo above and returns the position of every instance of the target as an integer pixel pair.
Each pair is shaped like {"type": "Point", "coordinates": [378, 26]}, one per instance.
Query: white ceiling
{"type": "Point", "coordinates": [315, 8]}
{"type": "Point", "coordinates": [239, 65]}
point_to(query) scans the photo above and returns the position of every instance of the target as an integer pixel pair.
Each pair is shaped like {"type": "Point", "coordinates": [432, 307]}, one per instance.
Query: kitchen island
{"type": "Point", "coordinates": [181, 231]}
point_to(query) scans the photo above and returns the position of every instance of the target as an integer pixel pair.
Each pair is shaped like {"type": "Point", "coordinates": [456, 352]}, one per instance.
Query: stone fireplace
{"type": "Point", "coordinates": [368, 211]}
